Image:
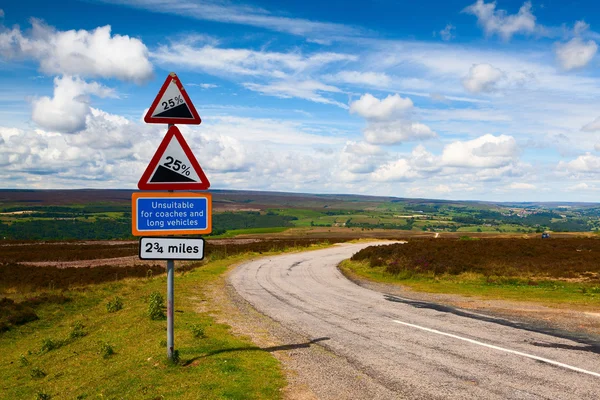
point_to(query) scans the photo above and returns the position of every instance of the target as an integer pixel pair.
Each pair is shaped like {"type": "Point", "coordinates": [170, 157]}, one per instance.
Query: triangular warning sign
{"type": "Point", "coordinates": [173, 167]}
{"type": "Point", "coordinates": [172, 105]}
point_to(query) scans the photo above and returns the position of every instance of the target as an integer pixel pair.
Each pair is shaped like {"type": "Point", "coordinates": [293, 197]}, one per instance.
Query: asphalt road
{"type": "Point", "coordinates": [417, 350]}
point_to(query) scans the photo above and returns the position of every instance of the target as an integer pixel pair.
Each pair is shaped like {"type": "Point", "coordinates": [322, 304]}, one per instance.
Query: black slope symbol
{"type": "Point", "coordinates": [165, 175]}
{"type": "Point", "coordinates": [181, 111]}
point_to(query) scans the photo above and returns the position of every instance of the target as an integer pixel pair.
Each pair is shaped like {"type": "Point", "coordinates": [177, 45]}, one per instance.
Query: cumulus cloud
{"type": "Point", "coordinates": [487, 151]}
{"type": "Point", "coordinates": [575, 53]}
{"type": "Point", "coordinates": [388, 121]}
{"type": "Point", "coordinates": [399, 170]}
{"type": "Point", "coordinates": [482, 78]}
{"type": "Point", "coordinates": [500, 22]}
{"type": "Point", "coordinates": [358, 158]}
{"type": "Point", "coordinates": [447, 34]}
{"type": "Point", "coordinates": [94, 53]}
{"type": "Point", "coordinates": [224, 154]}
{"type": "Point", "coordinates": [110, 149]}
{"type": "Point", "coordinates": [370, 107]}
{"type": "Point", "coordinates": [67, 110]}
{"type": "Point", "coordinates": [587, 163]}
{"type": "Point", "coordinates": [362, 148]}
{"type": "Point", "coordinates": [391, 132]}
{"type": "Point", "coordinates": [420, 163]}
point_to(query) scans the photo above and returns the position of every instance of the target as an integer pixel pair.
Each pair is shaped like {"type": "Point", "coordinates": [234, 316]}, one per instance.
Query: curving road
{"type": "Point", "coordinates": [417, 350]}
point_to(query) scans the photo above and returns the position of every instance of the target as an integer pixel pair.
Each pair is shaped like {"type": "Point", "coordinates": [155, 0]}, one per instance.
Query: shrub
{"type": "Point", "coordinates": [156, 306]}
{"type": "Point", "coordinates": [114, 305]}
{"type": "Point", "coordinates": [43, 396]}
{"type": "Point", "coordinates": [37, 373]}
{"type": "Point", "coordinates": [106, 349]}
{"type": "Point", "coordinates": [49, 345]}
{"type": "Point", "coordinates": [13, 314]}
{"type": "Point", "coordinates": [77, 331]}
{"type": "Point", "coordinates": [198, 331]}
{"type": "Point", "coordinates": [23, 361]}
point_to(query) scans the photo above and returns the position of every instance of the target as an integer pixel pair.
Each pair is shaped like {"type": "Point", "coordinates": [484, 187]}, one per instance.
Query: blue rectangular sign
{"type": "Point", "coordinates": [171, 213]}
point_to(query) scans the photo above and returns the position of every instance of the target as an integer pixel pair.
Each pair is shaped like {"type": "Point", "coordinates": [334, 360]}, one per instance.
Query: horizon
{"type": "Point", "coordinates": [423, 199]}
{"type": "Point", "coordinates": [460, 100]}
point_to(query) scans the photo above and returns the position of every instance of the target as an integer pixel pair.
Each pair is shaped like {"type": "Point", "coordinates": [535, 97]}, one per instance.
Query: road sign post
{"type": "Point", "coordinates": [173, 167]}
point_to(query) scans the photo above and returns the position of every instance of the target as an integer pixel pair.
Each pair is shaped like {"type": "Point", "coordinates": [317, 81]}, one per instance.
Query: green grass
{"type": "Point", "coordinates": [236, 232]}
{"type": "Point", "coordinates": [304, 216]}
{"type": "Point", "coordinates": [216, 365]}
{"type": "Point", "coordinates": [544, 291]}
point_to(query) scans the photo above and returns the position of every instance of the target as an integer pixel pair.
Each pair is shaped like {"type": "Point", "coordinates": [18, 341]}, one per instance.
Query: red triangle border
{"type": "Point", "coordinates": [144, 183]}
{"type": "Point", "coordinates": [164, 120]}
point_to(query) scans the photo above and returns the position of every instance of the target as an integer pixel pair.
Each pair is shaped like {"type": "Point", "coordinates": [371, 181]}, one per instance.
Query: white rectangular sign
{"type": "Point", "coordinates": [171, 249]}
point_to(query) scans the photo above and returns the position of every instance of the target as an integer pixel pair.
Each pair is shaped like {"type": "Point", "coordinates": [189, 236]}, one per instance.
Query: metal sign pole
{"type": "Point", "coordinates": [170, 304]}
{"type": "Point", "coordinates": [170, 307]}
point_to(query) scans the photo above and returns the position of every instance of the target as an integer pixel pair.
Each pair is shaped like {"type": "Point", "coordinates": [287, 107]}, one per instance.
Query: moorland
{"type": "Point", "coordinates": [81, 316]}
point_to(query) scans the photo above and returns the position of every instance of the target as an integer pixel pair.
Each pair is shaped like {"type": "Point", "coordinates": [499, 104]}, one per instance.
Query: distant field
{"type": "Point", "coordinates": [106, 214]}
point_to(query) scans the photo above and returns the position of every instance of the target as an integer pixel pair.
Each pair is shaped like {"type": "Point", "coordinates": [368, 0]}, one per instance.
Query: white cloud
{"type": "Point", "coordinates": [244, 62]}
{"type": "Point", "coordinates": [392, 132]}
{"type": "Point", "coordinates": [586, 163]}
{"type": "Point", "coordinates": [575, 53]}
{"type": "Point", "coordinates": [442, 189]}
{"type": "Point", "coordinates": [579, 187]}
{"type": "Point", "coordinates": [387, 120]}
{"type": "Point", "coordinates": [216, 10]}
{"type": "Point", "coordinates": [486, 151]}
{"type": "Point", "coordinates": [378, 79]}
{"type": "Point", "coordinates": [580, 27]}
{"type": "Point", "coordinates": [447, 34]}
{"type": "Point", "coordinates": [482, 78]}
{"type": "Point", "coordinates": [224, 154]}
{"type": "Point", "coordinates": [307, 90]}
{"type": "Point", "coordinates": [597, 147]}
{"type": "Point", "coordinates": [85, 53]}
{"type": "Point", "coordinates": [399, 170]}
{"type": "Point", "coordinates": [67, 110]}
{"type": "Point", "coordinates": [521, 186]}
{"type": "Point", "coordinates": [362, 148]}
{"type": "Point", "coordinates": [357, 158]}
{"type": "Point", "coordinates": [371, 107]}
{"type": "Point", "coordinates": [419, 164]}
{"type": "Point", "coordinates": [593, 126]}
{"type": "Point", "coordinates": [499, 22]}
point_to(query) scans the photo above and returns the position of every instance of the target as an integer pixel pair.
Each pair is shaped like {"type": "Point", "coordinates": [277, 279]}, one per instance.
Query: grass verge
{"type": "Point", "coordinates": [80, 350]}
{"type": "Point", "coordinates": [555, 293]}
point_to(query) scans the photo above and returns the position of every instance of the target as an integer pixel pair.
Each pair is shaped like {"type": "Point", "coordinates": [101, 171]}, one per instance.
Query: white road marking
{"type": "Point", "coordinates": [559, 364]}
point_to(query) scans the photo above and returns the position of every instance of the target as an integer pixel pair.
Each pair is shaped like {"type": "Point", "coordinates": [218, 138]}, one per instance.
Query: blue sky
{"type": "Point", "coordinates": [441, 99]}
